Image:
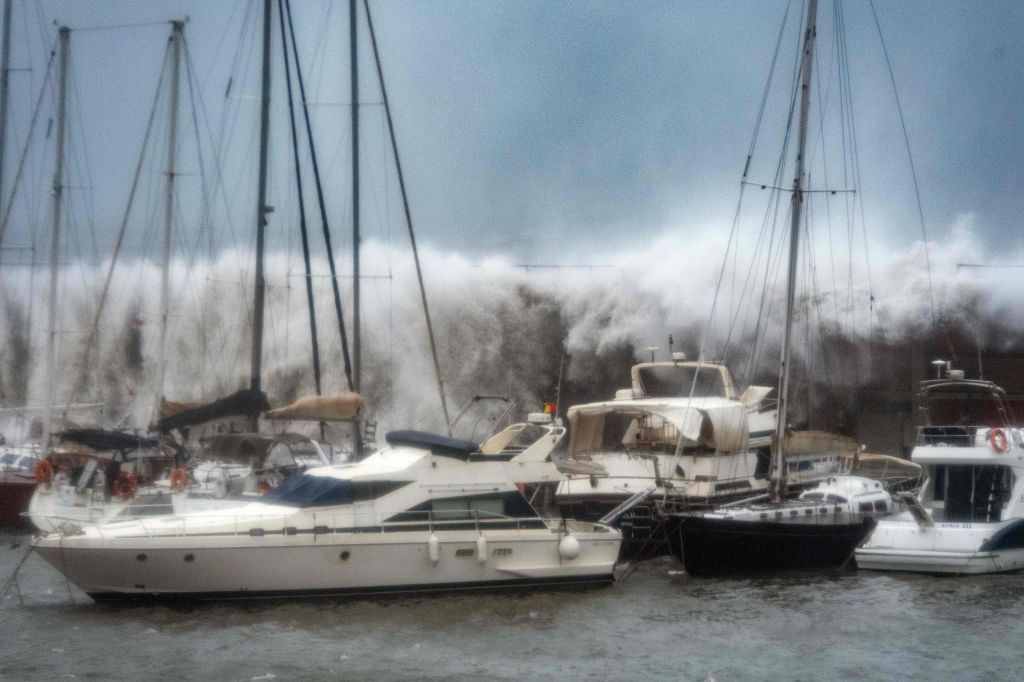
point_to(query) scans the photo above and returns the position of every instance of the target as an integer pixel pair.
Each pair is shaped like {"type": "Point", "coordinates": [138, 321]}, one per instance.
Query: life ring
{"type": "Point", "coordinates": [125, 485]}
{"type": "Point", "coordinates": [179, 479]}
{"type": "Point", "coordinates": [43, 471]}
{"type": "Point", "coordinates": [999, 441]}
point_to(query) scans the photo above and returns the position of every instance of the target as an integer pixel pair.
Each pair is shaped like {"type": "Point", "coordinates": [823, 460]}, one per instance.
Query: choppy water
{"type": "Point", "coordinates": [656, 624]}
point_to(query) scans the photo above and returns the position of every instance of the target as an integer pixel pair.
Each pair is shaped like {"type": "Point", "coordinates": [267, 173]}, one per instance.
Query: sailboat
{"type": "Point", "coordinates": [823, 527]}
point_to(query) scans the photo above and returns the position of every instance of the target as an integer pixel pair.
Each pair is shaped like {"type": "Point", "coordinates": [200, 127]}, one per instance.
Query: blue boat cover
{"type": "Point", "coordinates": [437, 444]}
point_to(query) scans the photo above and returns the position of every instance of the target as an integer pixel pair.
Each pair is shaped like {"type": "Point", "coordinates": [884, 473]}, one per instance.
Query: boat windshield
{"type": "Point", "coordinates": [681, 381]}
{"type": "Point", "coordinates": [310, 491]}
{"type": "Point", "coordinates": [965, 408]}
{"type": "Point", "coordinates": [325, 491]}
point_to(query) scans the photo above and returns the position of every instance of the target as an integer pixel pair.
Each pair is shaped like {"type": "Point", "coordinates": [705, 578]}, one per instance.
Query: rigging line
{"type": "Point", "coordinates": [739, 203]}
{"type": "Point", "coordinates": [910, 158]}
{"type": "Point", "coordinates": [320, 201]}
{"type": "Point", "coordinates": [774, 199]}
{"type": "Point", "coordinates": [28, 141]}
{"type": "Point", "coordinates": [302, 204]}
{"type": "Point", "coordinates": [217, 167]}
{"type": "Point", "coordinates": [408, 219]}
{"type": "Point", "coordinates": [83, 161]}
{"type": "Point", "coordinates": [822, 103]}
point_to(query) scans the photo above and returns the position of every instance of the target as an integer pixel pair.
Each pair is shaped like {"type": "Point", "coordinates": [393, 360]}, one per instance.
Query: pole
{"type": "Point", "coordinates": [5, 69]}
{"type": "Point", "coordinates": [356, 326]}
{"type": "Point", "coordinates": [58, 201]}
{"type": "Point", "coordinates": [172, 153]}
{"type": "Point", "coordinates": [778, 488]}
{"type": "Point", "coordinates": [261, 209]}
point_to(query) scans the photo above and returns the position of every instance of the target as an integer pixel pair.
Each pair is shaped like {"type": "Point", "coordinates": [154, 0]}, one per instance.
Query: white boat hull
{"type": "Point", "coordinates": [222, 566]}
{"type": "Point", "coordinates": [900, 544]}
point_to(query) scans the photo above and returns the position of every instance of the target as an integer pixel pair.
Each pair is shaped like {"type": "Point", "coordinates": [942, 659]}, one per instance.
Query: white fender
{"type": "Point", "coordinates": [568, 547]}
{"type": "Point", "coordinates": [481, 549]}
{"type": "Point", "coordinates": [434, 549]}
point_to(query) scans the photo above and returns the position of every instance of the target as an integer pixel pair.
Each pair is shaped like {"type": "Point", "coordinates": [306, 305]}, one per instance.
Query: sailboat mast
{"type": "Point", "coordinates": [5, 70]}
{"type": "Point", "coordinates": [58, 202]}
{"type": "Point", "coordinates": [172, 154]}
{"type": "Point", "coordinates": [778, 488]}
{"type": "Point", "coordinates": [356, 326]}
{"type": "Point", "coordinates": [261, 209]}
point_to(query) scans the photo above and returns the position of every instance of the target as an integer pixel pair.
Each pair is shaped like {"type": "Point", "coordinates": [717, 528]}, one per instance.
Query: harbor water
{"type": "Point", "coordinates": [654, 624]}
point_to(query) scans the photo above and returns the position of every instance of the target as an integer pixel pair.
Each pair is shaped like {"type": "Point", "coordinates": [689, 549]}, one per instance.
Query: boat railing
{"type": "Point", "coordinates": [283, 523]}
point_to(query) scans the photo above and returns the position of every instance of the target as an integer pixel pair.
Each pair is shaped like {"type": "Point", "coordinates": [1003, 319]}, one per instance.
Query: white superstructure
{"type": "Point", "coordinates": [969, 514]}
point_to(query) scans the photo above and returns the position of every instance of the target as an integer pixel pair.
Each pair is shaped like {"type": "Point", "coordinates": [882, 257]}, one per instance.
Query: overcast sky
{"type": "Point", "coordinates": [553, 131]}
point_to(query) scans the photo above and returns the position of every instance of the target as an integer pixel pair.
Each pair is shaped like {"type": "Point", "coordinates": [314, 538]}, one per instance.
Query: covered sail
{"type": "Point", "coordinates": [103, 440]}
{"type": "Point", "coordinates": [322, 408]}
{"type": "Point", "coordinates": [246, 402]}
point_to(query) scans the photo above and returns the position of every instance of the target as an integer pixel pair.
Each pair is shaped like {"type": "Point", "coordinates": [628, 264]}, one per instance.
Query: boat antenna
{"type": "Point", "coordinates": [778, 487]}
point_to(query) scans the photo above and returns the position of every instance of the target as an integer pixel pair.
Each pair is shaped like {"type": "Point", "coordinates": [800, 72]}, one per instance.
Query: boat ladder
{"type": "Point", "coordinates": [637, 498]}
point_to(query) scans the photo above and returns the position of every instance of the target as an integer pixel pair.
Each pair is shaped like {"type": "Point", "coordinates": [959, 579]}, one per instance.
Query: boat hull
{"type": "Point", "coordinates": [15, 494]}
{"type": "Point", "coordinates": [332, 564]}
{"type": "Point", "coordinates": [716, 546]}
{"type": "Point", "coordinates": [945, 548]}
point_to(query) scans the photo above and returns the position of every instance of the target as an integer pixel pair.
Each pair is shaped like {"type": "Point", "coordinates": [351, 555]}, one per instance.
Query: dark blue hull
{"type": "Point", "coordinates": [715, 546]}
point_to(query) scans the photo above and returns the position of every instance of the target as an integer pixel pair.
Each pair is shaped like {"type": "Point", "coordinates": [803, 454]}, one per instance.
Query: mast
{"type": "Point", "coordinates": [354, 61]}
{"type": "Point", "coordinates": [172, 153]}
{"type": "Point", "coordinates": [261, 209]}
{"type": "Point", "coordinates": [778, 487]}
{"type": "Point", "coordinates": [58, 201]}
{"type": "Point", "coordinates": [5, 70]}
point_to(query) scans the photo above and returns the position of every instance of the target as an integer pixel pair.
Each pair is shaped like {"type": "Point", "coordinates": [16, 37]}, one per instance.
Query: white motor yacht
{"type": "Point", "coordinates": [684, 432]}
{"type": "Point", "coordinates": [426, 513]}
{"type": "Point", "coordinates": [968, 517]}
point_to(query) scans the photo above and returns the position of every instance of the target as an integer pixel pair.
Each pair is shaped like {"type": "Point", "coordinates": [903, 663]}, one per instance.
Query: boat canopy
{"type": "Point", "coordinates": [722, 426]}
{"type": "Point", "coordinates": [103, 440]}
{"type": "Point", "coordinates": [246, 402]}
{"type": "Point", "coordinates": [343, 407]}
{"type": "Point", "coordinates": [437, 444]}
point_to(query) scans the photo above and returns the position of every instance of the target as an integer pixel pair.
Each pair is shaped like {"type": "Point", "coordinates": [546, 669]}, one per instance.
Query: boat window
{"type": "Point", "coordinates": [815, 496]}
{"type": "Point", "coordinates": [976, 492]}
{"type": "Point", "coordinates": [310, 491]}
{"type": "Point", "coordinates": [680, 380]}
{"type": "Point", "coordinates": [371, 490]}
{"type": "Point", "coordinates": [866, 507]}
{"type": "Point", "coordinates": [962, 409]}
{"type": "Point", "coordinates": [837, 499]}
{"type": "Point", "coordinates": [881, 506]}
{"type": "Point", "coordinates": [466, 508]}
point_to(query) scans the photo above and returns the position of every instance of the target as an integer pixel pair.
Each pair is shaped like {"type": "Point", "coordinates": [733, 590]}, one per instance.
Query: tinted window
{"type": "Point", "coordinates": [679, 381]}
{"type": "Point", "coordinates": [310, 491]}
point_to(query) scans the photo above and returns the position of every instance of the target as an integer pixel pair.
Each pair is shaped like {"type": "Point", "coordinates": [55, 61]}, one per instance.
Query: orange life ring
{"type": "Point", "coordinates": [125, 485]}
{"type": "Point", "coordinates": [43, 471]}
{"type": "Point", "coordinates": [179, 479]}
{"type": "Point", "coordinates": [999, 440]}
